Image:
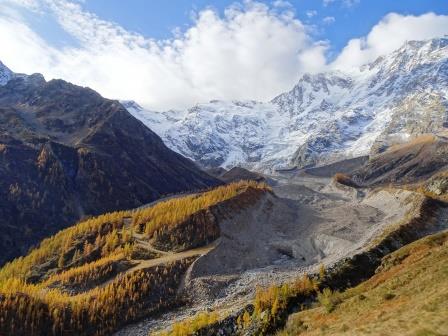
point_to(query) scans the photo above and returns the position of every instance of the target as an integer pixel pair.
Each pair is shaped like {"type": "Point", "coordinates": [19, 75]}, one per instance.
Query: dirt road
{"type": "Point", "coordinates": [170, 257]}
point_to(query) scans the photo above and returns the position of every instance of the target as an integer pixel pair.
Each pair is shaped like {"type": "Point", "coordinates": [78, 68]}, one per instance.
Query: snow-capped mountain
{"type": "Point", "coordinates": [5, 74]}
{"type": "Point", "coordinates": [325, 117]}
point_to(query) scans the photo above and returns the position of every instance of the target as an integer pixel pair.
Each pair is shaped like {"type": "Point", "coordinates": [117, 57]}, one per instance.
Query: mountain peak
{"type": "Point", "coordinates": [410, 55]}
{"type": "Point", "coordinates": [35, 79]}
{"type": "Point", "coordinates": [131, 104]}
{"type": "Point", "coordinates": [5, 74]}
{"type": "Point", "coordinates": [426, 50]}
{"type": "Point", "coordinates": [326, 116]}
{"type": "Point", "coordinates": [432, 44]}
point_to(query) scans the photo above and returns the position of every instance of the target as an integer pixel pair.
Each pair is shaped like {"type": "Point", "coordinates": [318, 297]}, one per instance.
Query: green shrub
{"type": "Point", "coordinates": [329, 299]}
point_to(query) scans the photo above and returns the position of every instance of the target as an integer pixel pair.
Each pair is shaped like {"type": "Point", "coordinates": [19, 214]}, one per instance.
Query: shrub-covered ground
{"type": "Point", "coordinates": [408, 295]}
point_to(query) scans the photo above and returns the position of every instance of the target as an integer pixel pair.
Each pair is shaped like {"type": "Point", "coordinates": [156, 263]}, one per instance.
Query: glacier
{"type": "Point", "coordinates": [326, 117]}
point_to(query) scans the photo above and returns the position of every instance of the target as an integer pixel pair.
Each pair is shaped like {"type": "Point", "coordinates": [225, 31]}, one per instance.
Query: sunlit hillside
{"type": "Point", "coordinates": [408, 295]}
{"type": "Point", "coordinates": [105, 271]}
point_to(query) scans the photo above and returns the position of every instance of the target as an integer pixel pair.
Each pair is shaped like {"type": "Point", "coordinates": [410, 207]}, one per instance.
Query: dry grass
{"type": "Point", "coordinates": [190, 326]}
{"type": "Point", "coordinates": [408, 296]}
{"type": "Point", "coordinates": [420, 140]}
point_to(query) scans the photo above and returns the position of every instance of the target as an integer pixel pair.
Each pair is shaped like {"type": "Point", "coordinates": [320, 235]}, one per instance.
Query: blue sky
{"type": "Point", "coordinates": [158, 18]}
{"type": "Point", "coordinates": [175, 53]}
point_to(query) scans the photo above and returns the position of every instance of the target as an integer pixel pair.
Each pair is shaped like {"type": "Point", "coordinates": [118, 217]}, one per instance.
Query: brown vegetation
{"type": "Point", "coordinates": [89, 275]}
{"type": "Point", "coordinates": [74, 283]}
{"type": "Point", "coordinates": [199, 228]}
{"type": "Point", "coordinates": [407, 296]}
{"type": "Point", "coordinates": [190, 326]}
{"type": "Point", "coordinates": [87, 241]}
{"type": "Point", "coordinates": [344, 180]}
{"type": "Point", "coordinates": [101, 236]}
{"type": "Point", "coordinates": [419, 140]}
{"type": "Point", "coordinates": [175, 211]}
{"type": "Point", "coordinates": [33, 310]}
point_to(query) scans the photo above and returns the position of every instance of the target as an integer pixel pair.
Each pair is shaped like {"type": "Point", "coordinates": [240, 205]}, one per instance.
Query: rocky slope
{"type": "Point", "coordinates": [66, 152]}
{"type": "Point", "coordinates": [411, 162]}
{"type": "Point", "coordinates": [404, 297]}
{"type": "Point", "coordinates": [306, 222]}
{"type": "Point", "coordinates": [5, 74]}
{"type": "Point", "coordinates": [325, 117]}
{"type": "Point", "coordinates": [236, 174]}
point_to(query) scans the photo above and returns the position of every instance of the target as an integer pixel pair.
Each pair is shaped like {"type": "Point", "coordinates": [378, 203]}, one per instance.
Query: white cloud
{"type": "Point", "coordinates": [14, 36]}
{"type": "Point", "coordinates": [311, 13]}
{"type": "Point", "coordinates": [328, 20]}
{"type": "Point", "coordinates": [251, 52]}
{"type": "Point", "coordinates": [345, 3]}
{"type": "Point", "coordinates": [282, 3]}
{"type": "Point", "coordinates": [388, 35]}
{"type": "Point", "coordinates": [350, 3]}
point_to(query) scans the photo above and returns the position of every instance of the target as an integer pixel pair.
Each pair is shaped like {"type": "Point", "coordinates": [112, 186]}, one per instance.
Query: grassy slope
{"type": "Point", "coordinates": [407, 296]}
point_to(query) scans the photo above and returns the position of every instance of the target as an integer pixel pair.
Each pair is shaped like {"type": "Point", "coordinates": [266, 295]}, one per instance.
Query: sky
{"type": "Point", "coordinates": [168, 54]}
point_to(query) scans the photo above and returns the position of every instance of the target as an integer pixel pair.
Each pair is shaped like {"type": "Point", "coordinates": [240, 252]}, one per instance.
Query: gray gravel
{"type": "Point", "coordinates": [309, 221]}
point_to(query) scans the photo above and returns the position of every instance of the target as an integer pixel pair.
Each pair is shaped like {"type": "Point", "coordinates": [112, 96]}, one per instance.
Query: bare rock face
{"type": "Point", "coordinates": [66, 152]}
{"type": "Point", "coordinates": [238, 174]}
{"type": "Point", "coordinates": [422, 113]}
{"type": "Point", "coordinates": [5, 74]}
{"type": "Point", "coordinates": [413, 161]}
{"type": "Point", "coordinates": [324, 118]}
{"type": "Point", "coordinates": [438, 184]}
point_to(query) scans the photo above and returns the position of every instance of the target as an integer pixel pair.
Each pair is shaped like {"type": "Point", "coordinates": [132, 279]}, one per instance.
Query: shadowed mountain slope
{"type": "Point", "coordinates": [66, 152]}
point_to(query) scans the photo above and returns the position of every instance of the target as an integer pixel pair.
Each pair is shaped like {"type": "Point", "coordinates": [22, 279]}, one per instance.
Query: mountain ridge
{"type": "Point", "coordinates": [66, 152]}
{"type": "Point", "coordinates": [5, 74]}
{"type": "Point", "coordinates": [324, 118]}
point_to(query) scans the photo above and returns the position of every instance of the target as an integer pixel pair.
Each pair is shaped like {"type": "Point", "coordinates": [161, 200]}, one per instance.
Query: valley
{"type": "Point", "coordinates": [307, 222]}
{"type": "Point", "coordinates": [207, 255]}
{"type": "Point", "coordinates": [323, 211]}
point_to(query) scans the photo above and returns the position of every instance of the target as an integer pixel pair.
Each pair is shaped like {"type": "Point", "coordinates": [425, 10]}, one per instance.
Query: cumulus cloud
{"type": "Point", "coordinates": [328, 20]}
{"type": "Point", "coordinates": [252, 51]}
{"type": "Point", "coordinates": [390, 34]}
{"type": "Point", "coordinates": [311, 13]}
